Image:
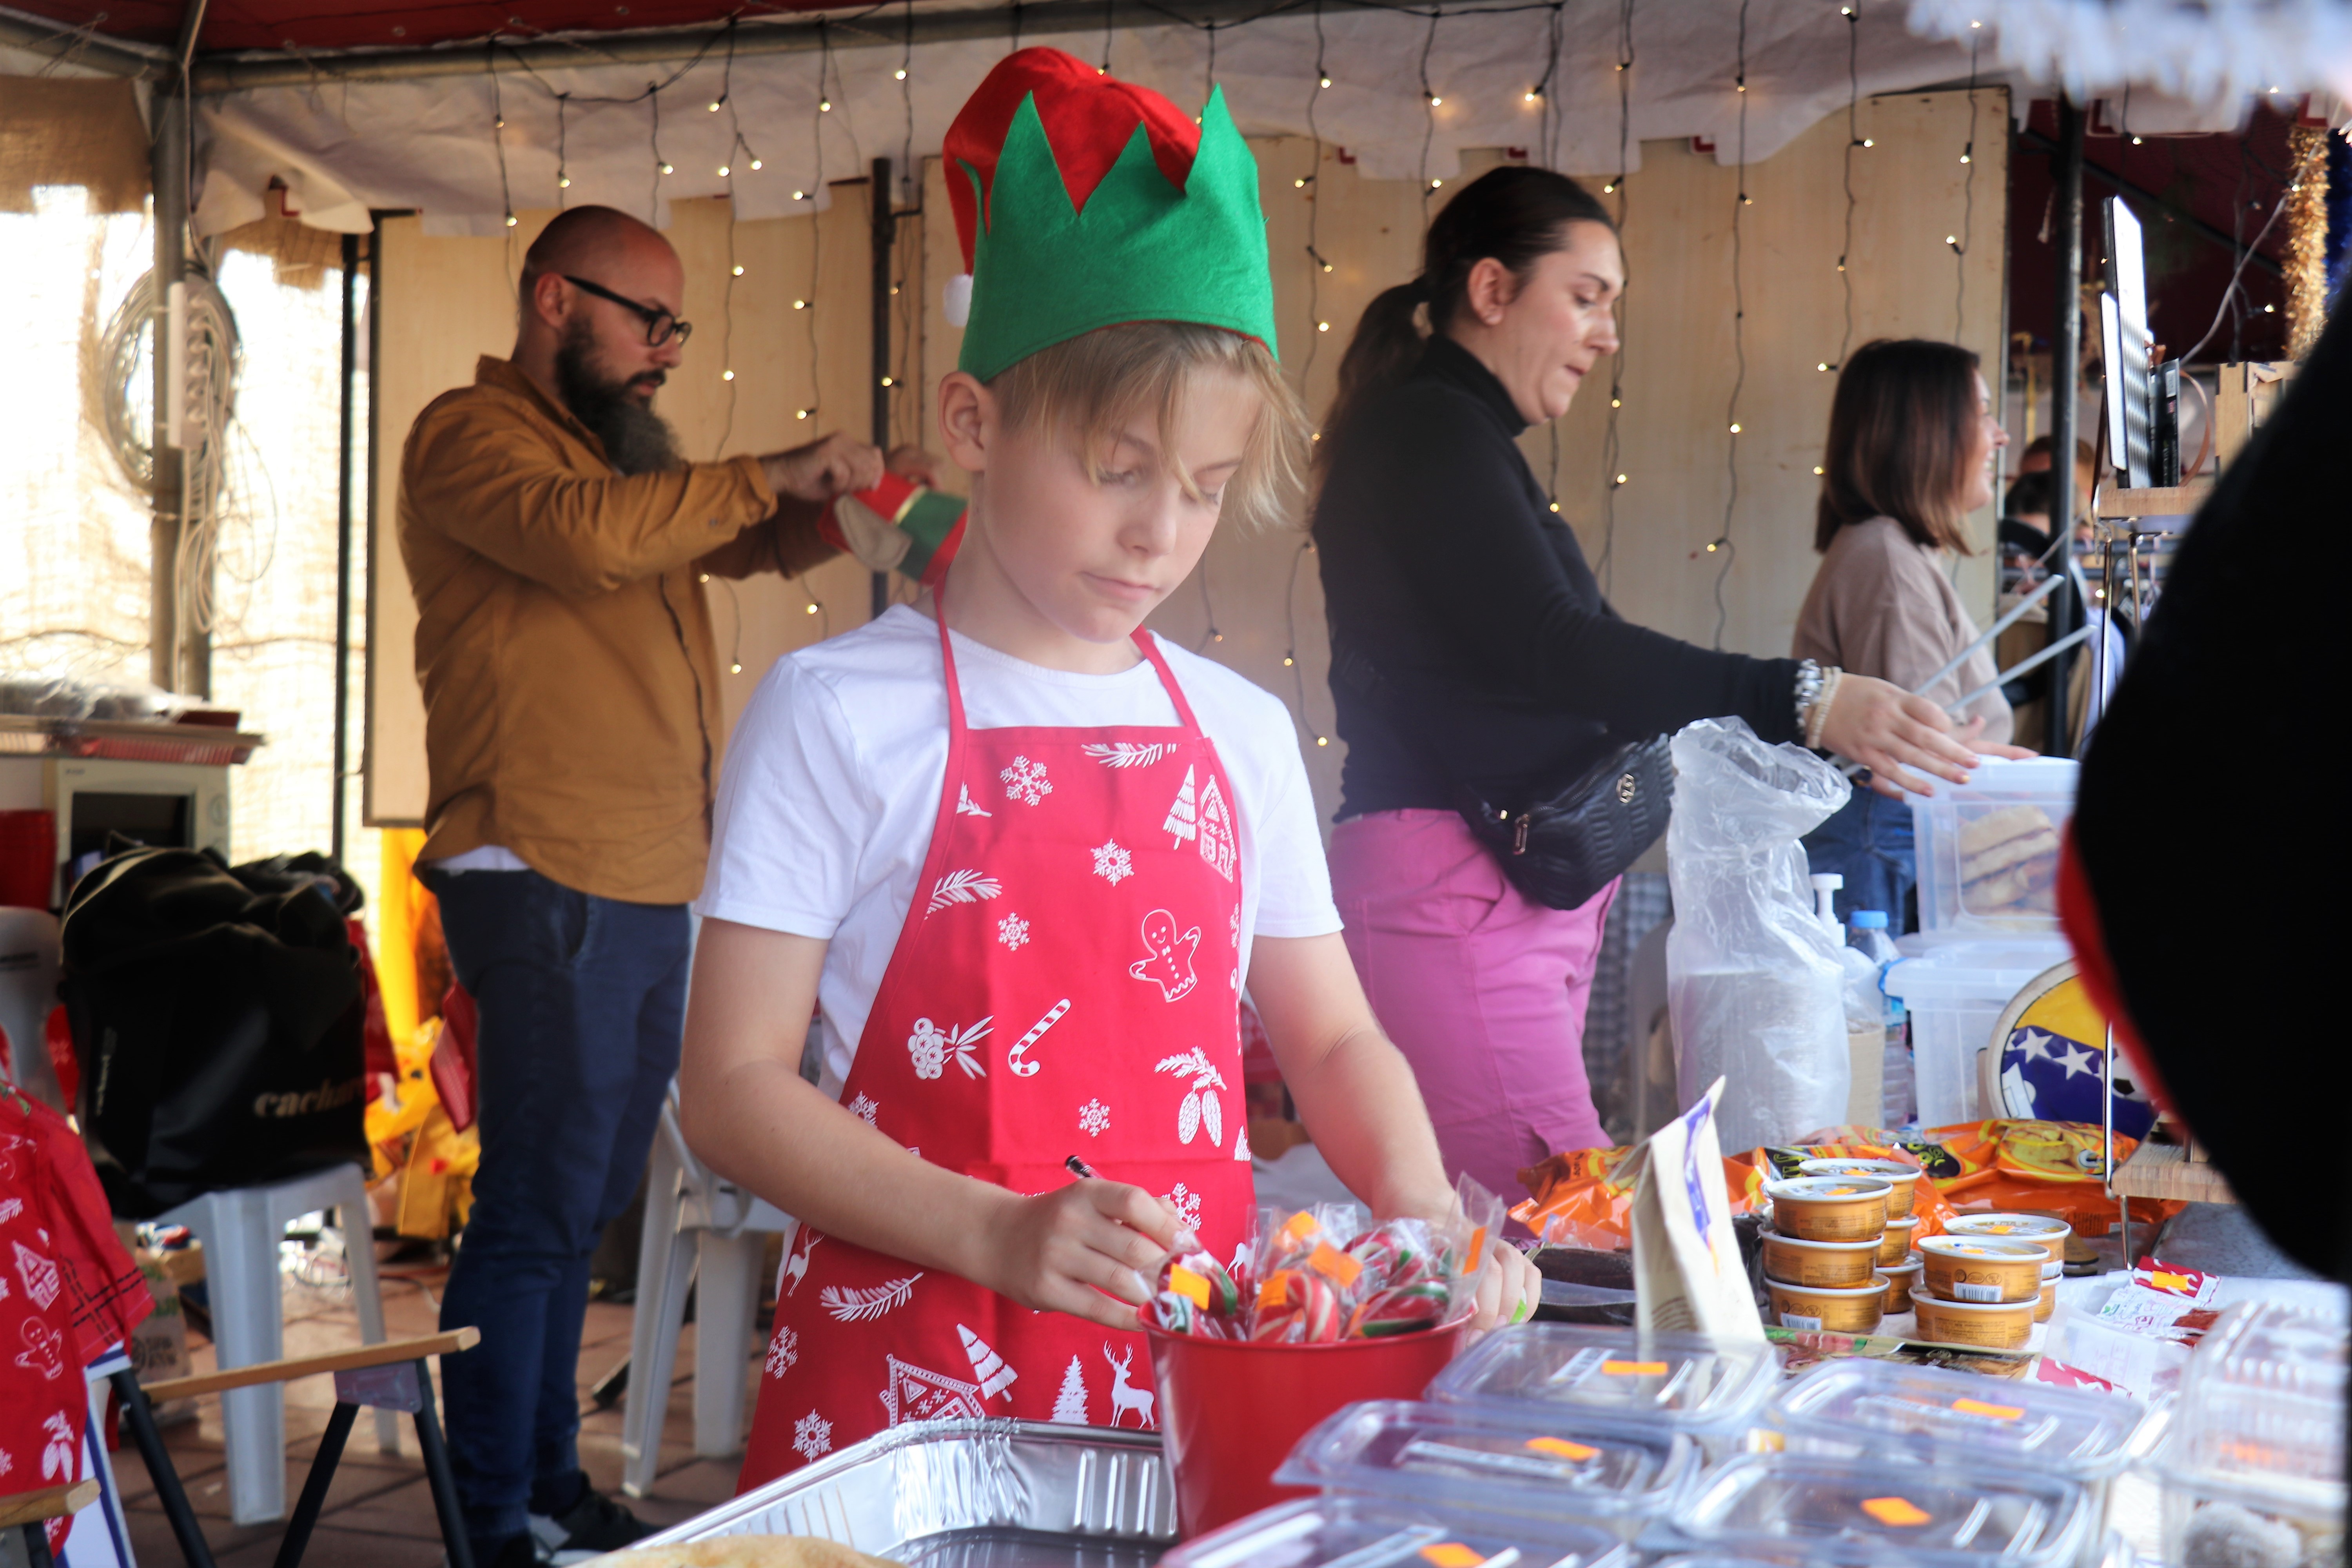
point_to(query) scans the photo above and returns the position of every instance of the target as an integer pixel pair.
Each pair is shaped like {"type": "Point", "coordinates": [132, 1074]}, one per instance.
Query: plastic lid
{"type": "Point", "coordinates": [1869, 1513]}
{"type": "Point", "coordinates": [1887, 1410]}
{"type": "Point", "coordinates": [2262, 1404]}
{"type": "Point", "coordinates": [1683, 1382]}
{"type": "Point", "coordinates": [1470, 1456]}
{"type": "Point", "coordinates": [1362, 1533]}
{"type": "Point", "coordinates": [1869, 919]}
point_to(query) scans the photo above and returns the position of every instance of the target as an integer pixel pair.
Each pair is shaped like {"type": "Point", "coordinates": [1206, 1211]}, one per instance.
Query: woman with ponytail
{"type": "Point", "coordinates": [1473, 658]}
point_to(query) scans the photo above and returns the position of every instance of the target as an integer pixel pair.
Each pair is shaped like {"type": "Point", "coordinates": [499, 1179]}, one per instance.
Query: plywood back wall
{"type": "Point", "coordinates": [447, 300]}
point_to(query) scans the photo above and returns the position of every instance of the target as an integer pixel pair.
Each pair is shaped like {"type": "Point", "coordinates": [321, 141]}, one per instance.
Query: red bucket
{"type": "Point", "coordinates": [28, 858]}
{"type": "Point", "coordinates": [1231, 1411]}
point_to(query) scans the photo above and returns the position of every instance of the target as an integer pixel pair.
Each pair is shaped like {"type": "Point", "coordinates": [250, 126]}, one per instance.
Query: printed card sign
{"type": "Point", "coordinates": [1688, 1277]}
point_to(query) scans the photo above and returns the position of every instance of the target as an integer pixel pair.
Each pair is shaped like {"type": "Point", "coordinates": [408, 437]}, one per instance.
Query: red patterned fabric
{"type": "Point", "coordinates": [1054, 989]}
{"type": "Point", "coordinates": [68, 1293]}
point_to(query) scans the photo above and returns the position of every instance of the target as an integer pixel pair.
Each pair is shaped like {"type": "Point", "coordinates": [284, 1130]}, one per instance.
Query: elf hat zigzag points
{"type": "Point", "coordinates": [1102, 203]}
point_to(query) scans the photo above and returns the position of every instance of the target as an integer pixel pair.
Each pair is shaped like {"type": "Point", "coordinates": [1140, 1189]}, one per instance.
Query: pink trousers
{"type": "Point", "coordinates": [1481, 988]}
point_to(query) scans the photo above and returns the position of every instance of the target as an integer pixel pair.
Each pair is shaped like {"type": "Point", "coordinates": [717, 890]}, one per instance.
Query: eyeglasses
{"type": "Point", "coordinates": [660, 325]}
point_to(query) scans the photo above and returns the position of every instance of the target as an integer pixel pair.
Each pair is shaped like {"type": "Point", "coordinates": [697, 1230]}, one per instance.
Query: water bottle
{"type": "Point", "coordinates": [1869, 936]}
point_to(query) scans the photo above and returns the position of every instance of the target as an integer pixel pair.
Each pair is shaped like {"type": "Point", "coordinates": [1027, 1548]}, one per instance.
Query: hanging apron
{"type": "Point", "coordinates": [1067, 982]}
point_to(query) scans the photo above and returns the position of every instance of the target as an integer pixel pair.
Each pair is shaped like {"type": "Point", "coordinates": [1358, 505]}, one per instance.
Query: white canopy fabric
{"type": "Point", "coordinates": [2204, 52]}
{"type": "Point", "coordinates": [341, 148]}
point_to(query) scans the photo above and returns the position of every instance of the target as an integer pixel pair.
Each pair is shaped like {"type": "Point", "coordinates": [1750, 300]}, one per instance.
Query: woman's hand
{"type": "Point", "coordinates": [1885, 729]}
{"type": "Point", "coordinates": [1089, 1249]}
{"type": "Point", "coordinates": [1509, 1288]}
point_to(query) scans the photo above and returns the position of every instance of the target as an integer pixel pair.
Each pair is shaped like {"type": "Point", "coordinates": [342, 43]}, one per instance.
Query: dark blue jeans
{"type": "Point", "coordinates": [582, 1002]}
{"type": "Point", "coordinates": [1868, 842]}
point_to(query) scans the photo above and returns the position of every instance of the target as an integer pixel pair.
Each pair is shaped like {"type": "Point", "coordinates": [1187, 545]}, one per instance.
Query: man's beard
{"type": "Point", "coordinates": [636, 439]}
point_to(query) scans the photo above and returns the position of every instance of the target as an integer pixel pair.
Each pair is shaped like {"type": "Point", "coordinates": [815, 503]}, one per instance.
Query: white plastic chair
{"type": "Point", "coordinates": [241, 1228]}
{"type": "Point", "coordinates": [684, 1199]}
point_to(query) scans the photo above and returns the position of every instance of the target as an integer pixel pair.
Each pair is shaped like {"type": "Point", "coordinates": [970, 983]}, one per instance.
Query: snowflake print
{"type": "Point", "coordinates": [1094, 1118]}
{"type": "Point", "coordinates": [864, 1106]}
{"type": "Point", "coordinates": [1233, 927]}
{"type": "Point", "coordinates": [1112, 863]}
{"type": "Point", "coordinates": [1187, 1205]}
{"type": "Point", "coordinates": [812, 1435]}
{"type": "Point", "coordinates": [1012, 931]}
{"type": "Point", "coordinates": [1026, 781]}
{"type": "Point", "coordinates": [784, 1349]}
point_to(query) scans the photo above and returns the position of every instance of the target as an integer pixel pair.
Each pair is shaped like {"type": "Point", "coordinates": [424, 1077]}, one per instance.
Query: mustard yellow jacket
{"type": "Point", "coordinates": [570, 677]}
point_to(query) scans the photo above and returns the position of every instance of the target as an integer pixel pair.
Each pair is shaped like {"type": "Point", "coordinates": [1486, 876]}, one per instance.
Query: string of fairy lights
{"type": "Point", "coordinates": [906, 381]}
{"type": "Point", "coordinates": [1722, 545]}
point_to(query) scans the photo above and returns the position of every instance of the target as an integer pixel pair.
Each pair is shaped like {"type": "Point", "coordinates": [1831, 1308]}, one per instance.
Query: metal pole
{"type": "Point", "coordinates": [2065, 358]}
{"type": "Point", "coordinates": [884, 242]}
{"type": "Point", "coordinates": [343, 539]}
{"type": "Point", "coordinates": [168, 159]}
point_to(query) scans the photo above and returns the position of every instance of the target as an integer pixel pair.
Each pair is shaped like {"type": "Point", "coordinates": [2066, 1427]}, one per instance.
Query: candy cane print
{"type": "Point", "coordinates": [1013, 1057]}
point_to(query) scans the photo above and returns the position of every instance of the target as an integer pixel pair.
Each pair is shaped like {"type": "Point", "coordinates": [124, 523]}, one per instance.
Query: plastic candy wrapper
{"type": "Point", "coordinates": [1579, 1202]}
{"type": "Point", "coordinates": [1327, 1273]}
{"type": "Point", "coordinates": [2047, 1167]}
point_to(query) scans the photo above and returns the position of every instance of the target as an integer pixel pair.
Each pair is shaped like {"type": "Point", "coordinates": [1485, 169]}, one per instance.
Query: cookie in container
{"type": "Point", "coordinates": [1614, 1475]}
{"type": "Point", "coordinates": [1865, 1514]}
{"type": "Point", "coordinates": [1359, 1533]}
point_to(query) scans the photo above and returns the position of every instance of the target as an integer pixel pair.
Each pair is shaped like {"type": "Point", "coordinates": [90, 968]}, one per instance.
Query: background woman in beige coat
{"type": "Point", "coordinates": [1912, 442]}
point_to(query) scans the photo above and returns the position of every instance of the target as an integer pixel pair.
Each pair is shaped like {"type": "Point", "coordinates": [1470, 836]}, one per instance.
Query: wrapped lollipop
{"type": "Point", "coordinates": [1198, 1278]}
{"type": "Point", "coordinates": [1402, 1309]}
{"type": "Point", "coordinates": [1297, 1305]}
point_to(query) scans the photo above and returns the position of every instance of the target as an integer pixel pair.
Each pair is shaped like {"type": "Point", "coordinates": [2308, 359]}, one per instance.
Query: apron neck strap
{"type": "Point", "coordinates": [1144, 640]}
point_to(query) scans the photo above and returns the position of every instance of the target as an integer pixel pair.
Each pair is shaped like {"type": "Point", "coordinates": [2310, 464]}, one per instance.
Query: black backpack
{"type": "Point", "coordinates": [218, 1022]}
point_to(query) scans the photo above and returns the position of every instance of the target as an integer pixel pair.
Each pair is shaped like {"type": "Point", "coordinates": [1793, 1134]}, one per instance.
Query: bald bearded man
{"type": "Point", "coordinates": [558, 545]}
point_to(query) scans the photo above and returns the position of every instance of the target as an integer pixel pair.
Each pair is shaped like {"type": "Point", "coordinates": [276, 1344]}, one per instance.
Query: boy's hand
{"type": "Point", "coordinates": [1089, 1249]}
{"type": "Point", "coordinates": [1509, 1288]}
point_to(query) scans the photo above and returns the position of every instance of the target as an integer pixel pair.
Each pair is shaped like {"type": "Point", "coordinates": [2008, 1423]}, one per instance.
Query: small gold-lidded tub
{"type": "Point", "coordinates": [1820, 1263]}
{"type": "Point", "coordinates": [1902, 1178]}
{"type": "Point", "coordinates": [1991, 1325]}
{"type": "Point", "coordinates": [1898, 1279]}
{"type": "Point", "coordinates": [1845, 1309]}
{"type": "Point", "coordinates": [1981, 1269]}
{"type": "Point", "coordinates": [1896, 1245]}
{"type": "Point", "coordinates": [2038, 1228]}
{"type": "Point", "coordinates": [2048, 1304]}
{"type": "Point", "coordinates": [1830, 1208]}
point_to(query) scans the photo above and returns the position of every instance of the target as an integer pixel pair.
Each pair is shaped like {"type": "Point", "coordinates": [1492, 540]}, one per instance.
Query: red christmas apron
{"type": "Point", "coordinates": [1067, 982]}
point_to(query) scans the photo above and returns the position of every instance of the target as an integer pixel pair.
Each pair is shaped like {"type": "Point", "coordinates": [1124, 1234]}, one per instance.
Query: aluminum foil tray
{"type": "Point", "coordinates": [970, 1494]}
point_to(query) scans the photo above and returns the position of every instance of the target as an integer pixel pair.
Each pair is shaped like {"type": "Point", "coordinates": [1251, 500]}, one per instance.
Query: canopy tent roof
{"type": "Point", "coordinates": [600, 94]}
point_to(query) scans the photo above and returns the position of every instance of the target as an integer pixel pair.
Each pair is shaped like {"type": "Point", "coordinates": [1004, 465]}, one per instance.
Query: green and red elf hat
{"type": "Point", "coordinates": [1083, 201]}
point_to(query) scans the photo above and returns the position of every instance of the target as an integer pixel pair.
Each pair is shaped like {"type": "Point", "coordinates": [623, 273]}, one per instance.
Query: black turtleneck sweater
{"type": "Point", "coordinates": [1446, 572]}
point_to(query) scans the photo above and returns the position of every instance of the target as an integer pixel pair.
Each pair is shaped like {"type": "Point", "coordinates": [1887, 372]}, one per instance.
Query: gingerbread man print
{"type": "Point", "coordinates": [1168, 962]}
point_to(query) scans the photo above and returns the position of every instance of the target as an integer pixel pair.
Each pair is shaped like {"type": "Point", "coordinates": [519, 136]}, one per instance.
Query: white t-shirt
{"type": "Point", "coordinates": [832, 781]}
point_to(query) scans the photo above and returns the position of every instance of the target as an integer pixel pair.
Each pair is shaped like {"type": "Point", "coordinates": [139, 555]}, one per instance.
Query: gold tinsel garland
{"type": "Point", "coordinates": [2305, 269]}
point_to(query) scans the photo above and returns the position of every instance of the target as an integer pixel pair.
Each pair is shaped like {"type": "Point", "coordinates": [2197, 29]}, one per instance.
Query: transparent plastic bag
{"type": "Point", "coordinates": [1756, 983]}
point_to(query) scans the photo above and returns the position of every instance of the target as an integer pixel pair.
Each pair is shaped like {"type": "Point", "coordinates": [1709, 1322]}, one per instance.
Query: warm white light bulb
{"type": "Point", "coordinates": [726, 375]}
{"type": "Point", "coordinates": [800, 196]}
{"type": "Point", "coordinates": [800, 304]}
{"type": "Point", "coordinates": [803, 412]}
{"type": "Point", "coordinates": [724, 170]}
{"type": "Point", "coordinates": [900, 74]}
{"type": "Point", "coordinates": [1621, 478]}
{"type": "Point", "coordinates": [668, 170]}
{"type": "Point", "coordinates": [825, 105]}
{"type": "Point", "coordinates": [735, 668]}
{"type": "Point", "coordinates": [1435, 101]}
{"type": "Point", "coordinates": [714, 106]}
{"type": "Point", "coordinates": [812, 610]}
{"type": "Point", "coordinates": [562, 182]}
{"type": "Point", "coordinates": [1322, 326]}
{"type": "Point", "coordinates": [1436, 184]}
{"type": "Point", "coordinates": [755, 165]}
{"type": "Point", "coordinates": [1323, 81]}
{"type": "Point", "coordinates": [888, 381]}
{"type": "Point", "coordinates": [1734, 429]}
{"type": "Point", "coordinates": [510, 220]}
{"type": "Point", "coordinates": [739, 270]}
{"type": "Point", "coordinates": [1322, 740]}
{"type": "Point", "coordinates": [1817, 469]}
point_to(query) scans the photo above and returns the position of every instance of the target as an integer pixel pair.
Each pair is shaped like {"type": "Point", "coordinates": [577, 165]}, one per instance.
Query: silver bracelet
{"type": "Point", "coordinates": [1817, 719]}
{"type": "Point", "coordinates": [1810, 680]}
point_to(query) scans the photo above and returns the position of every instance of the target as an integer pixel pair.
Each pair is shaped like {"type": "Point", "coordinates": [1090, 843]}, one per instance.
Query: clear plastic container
{"type": "Point", "coordinates": [1317, 1532]}
{"type": "Point", "coordinates": [2254, 1460]}
{"type": "Point", "coordinates": [1854, 1408]}
{"type": "Point", "coordinates": [1952, 993]}
{"type": "Point", "coordinates": [1615, 1475]}
{"type": "Point", "coordinates": [1987, 849]}
{"type": "Point", "coordinates": [1683, 1383]}
{"type": "Point", "coordinates": [1867, 1513]}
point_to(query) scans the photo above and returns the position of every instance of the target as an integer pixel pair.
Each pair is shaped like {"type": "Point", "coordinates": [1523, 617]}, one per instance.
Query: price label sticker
{"type": "Point", "coordinates": [1561, 1448]}
{"type": "Point", "coordinates": [1996, 1412]}
{"type": "Point", "coordinates": [1635, 1368]}
{"type": "Point", "coordinates": [1901, 1512]}
{"type": "Point", "coordinates": [1334, 1265]}
{"type": "Point", "coordinates": [1301, 1227]}
{"type": "Point", "coordinates": [1451, 1554]}
{"type": "Point", "coordinates": [1193, 1286]}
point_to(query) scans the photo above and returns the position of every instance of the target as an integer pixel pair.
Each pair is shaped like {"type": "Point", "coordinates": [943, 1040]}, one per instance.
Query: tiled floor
{"type": "Point", "coordinates": [379, 1513]}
